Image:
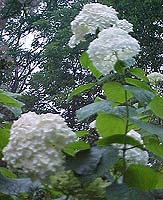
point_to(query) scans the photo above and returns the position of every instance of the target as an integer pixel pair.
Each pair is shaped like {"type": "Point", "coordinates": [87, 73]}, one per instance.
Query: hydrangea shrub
{"type": "Point", "coordinates": [117, 166]}
{"type": "Point", "coordinates": [127, 106]}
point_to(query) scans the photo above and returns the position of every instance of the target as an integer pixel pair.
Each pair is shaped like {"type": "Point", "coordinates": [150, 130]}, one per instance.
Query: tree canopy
{"type": "Point", "coordinates": [46, 70]}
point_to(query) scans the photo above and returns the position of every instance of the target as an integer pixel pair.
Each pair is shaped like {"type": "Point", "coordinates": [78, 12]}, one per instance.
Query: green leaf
{"type": "Point", "coordinates": [123, 192]}
{"type": "Point", "coordinates": [9, 101]}
{"type": "Point", "coordinates": [148, 127]}
{"type": "Point", "coordinates": [82, 133]}
{"type": "Point", "coordinates": [109, 159]}
{"type": "Point", "coordinates": [15, 186]}
{"type": "Point", "coordinates": [108, 125]}
{"type": "Point", "coordinates": [142, 95]}
{"type": "Point", "coordinates": [119, 138]}
{"type": "Point", "coordinates": [92, 109]}
{"type": "Point", "coordinates": [138, 72]}
{"type": "Point", "coordinates": [7, 173]}
{"type": "Point", "coordinates": [120, 67]}
{"type": "Point", "coordinates": [4, 136]}
{"type": "Point", "coordinates": [5, 197]}
{"type": "Point", "coordinates": [153, 145]}
{"type": "Point", "coordinates": [1, 155]}
{"type": "Point", "coordinates": [75, 147]}
{"type": "Point", "coordinates": [115, 92]}
{"type": "Point", "coordinates": [104, 106]}
{"type": "Point", "coordinates": [16, 111]}
{"type": "Point", "coordinates": [80, 89]}
{"type": "Point", "coordinates": [85, 162]}
{"type": "Point", "coordinates": [93, 162]}
{"type": "Point", "coordinates": [156, 105]}
{"type": "Point", "coordinates": [141, 177]}
{"type": "Point", "coordinates": [87, 63]}
{"type": "Point", "coordinates": [138, 83]}
{"type": "Point", "coordinates": [159, 184]}
{"type": "Point", "coordinates": [11, 94]}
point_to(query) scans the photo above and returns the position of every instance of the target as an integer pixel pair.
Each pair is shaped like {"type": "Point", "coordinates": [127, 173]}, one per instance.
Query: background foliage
{"type": "Point", "coordinates": [47, 72]}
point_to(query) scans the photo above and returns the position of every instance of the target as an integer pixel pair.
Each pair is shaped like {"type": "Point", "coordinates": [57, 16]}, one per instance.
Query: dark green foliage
{"type": "Point", "coordinates": [61, 71]}
{"type": "Point", "coordinates": [123, 192]}
{"type": "Point", "coordinates": [92, 163]}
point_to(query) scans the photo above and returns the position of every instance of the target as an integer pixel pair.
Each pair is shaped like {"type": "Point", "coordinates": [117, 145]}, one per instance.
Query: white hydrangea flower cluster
{"type": "Point", "coordinates": [134, 155]}
{"type": "Point", "coordinates": [93, 16]}
{"type": "Point", "coordinates": [113, 42]}
{"type": "Point", "coordinates": [111, 45]}
{"type": "Point", "coordinates": [36, 142]}
{"type": "Point", "coordinates": [155, 77]}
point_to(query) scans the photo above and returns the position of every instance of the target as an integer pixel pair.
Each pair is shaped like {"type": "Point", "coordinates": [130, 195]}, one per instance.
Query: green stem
{"type": "Point", "coordinates": [126, 130]}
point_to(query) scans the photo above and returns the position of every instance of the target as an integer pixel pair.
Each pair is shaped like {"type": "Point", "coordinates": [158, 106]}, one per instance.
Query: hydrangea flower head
{"type": "Point", "coordinates": [155, 77]}
{"type": "Point", "coordinates": [91, 17]}
{"type": "Point", "coordinates": [124, 25]}
{"type": "Point", "coordinates": [112, 44]}
{"type": "Point", "coordinates": [134, 155]}
{"type": "Point", "coordinates": [36, 142]}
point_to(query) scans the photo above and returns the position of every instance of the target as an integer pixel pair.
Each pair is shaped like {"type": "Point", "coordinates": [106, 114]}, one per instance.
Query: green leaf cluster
{"type": "Point", "coordinates": [68, 185]}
